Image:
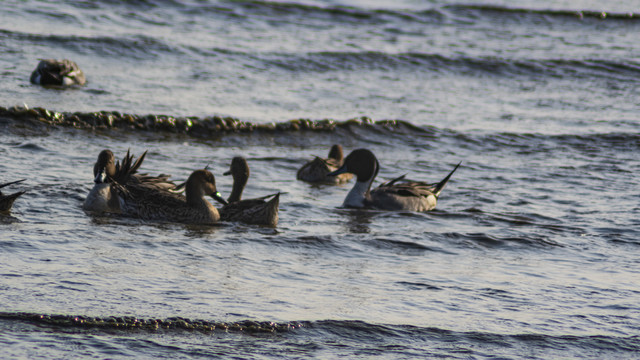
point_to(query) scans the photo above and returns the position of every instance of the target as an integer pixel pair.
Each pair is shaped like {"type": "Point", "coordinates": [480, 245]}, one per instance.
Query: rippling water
{"type": "Point", "coordinates": [531, 252]}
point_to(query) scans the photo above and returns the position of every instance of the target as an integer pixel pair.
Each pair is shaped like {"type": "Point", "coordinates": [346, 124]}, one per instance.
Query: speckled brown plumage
{"type": "Point", "coordinates": [149, 203]}
{"type": "Point", "coordinates": [317, 170]}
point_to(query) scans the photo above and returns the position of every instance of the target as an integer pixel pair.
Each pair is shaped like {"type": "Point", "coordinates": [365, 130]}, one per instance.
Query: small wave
{"type": "Point", "coordinates": [418, 286]}
{"type": "Point", "coordinates": [356, 336]}
{"type": "Point", "coordinates": [397, 245]}
{"type": "Point", "coordinates": [493, 66]}
{"type": "Point", "coordinates": [534, 14]}
{"type": "Point", "coordinates": [295, 11]}
{"type": "Point", "coordinates": [493, 241]}
{"type": "Point", "coordinates": [473, 343]}
{"type": "Point", "coordinates": [137, 47]}
{"type": "Point", "coordinates": [539, 143]}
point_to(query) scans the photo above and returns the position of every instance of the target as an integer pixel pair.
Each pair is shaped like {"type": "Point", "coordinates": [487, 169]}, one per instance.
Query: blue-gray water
{"type": "Point", "coordinates": [532, 251]}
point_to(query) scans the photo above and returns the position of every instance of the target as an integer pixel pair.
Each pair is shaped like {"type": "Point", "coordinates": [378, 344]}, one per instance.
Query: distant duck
{"type": "Point", "coordinates": [318, 169]}
{"type": "Point", "coordinates": [150, 203]}
{"type": "Point", "coordinates": [6, 201]}
{"type": "Point", "coordinates": [57, 72]}
{"type": "Point", "coordinates": [397, 194]}
{"type": "Point", "coordinates": [251, 211]}
{"type": "Point", "coordinates": [104, 197]}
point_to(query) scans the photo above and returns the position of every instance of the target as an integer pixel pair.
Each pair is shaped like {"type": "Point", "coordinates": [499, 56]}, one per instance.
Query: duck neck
{"type": "Point", "coordinates": [358, 194]}
{"type": "Point", "coordinates": [239, 182]}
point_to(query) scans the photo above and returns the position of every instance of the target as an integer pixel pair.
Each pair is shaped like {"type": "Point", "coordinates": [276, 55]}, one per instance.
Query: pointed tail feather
{"type": "Point", "coordinates": [128, 167]}
{"type": "Point", "coordinates": [136, 165]}
{"type": "Point", "coordinates": [11, 183]}
{"type": "Point", "coordinates": [439, 186]}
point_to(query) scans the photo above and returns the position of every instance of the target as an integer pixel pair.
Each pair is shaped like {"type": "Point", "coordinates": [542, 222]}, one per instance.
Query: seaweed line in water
{"type": "Point", "coordinates": [193, 126]}
{"type": "Point", "coordinates": [133, 323]}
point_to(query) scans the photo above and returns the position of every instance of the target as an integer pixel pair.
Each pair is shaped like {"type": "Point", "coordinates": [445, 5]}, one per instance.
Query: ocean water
{"type": "Point", "coordinates": [532, 251]}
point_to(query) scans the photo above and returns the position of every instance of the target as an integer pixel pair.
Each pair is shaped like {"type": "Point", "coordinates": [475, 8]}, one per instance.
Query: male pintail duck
{"type": "Point", "coordinates": [397, 194]}
{"type": "Point", "coordinates": [251, 211]}
{"type": "Point", "coordinates": [107, 172]}
{"type": "Point", "coordinates": [6, 201]}
{"type": "Point", "coordinates": [318, 169]}
{"type": "Point", "coordinates": [57, 72]}
{"type": "Point", "coordinates": [150, 203]}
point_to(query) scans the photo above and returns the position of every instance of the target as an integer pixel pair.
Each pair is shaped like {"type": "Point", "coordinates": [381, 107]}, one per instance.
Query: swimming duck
{"type": "Point", "coordinates": [149, 203]}
{"type": "Point", "coordinates": [103, 198]}
{"type": "Point", "coordinates": [397, 194]}
{"type": "Point", "coordinates": [251, 211]}
{"type": "Point", "coordinates": [6, 201]}
{"type": "Point", "coordinates": [318, 169]}
{"type": "Point", "coordinates": [57, 72]}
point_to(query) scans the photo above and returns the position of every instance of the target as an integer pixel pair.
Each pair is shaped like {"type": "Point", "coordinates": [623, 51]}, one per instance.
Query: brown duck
{"type": "Point", "coordinates": [57, 72]}
{"type": "Point", "coordinates": [256, 211]}
{"type": "Point", "coordinates": [148, 202]}
{"type": "Point", "coordinates": [318, 169]}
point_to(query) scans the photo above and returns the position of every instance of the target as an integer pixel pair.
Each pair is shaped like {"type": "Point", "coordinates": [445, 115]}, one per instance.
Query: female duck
{"type": "Point", "coordinates": [103, 197]}
{"type": "Point", "coordinates": [252, 211]}
{"type": "Point", "coordinates": [318, 169]}
{"type": "Point", "coordinates": [57, 72]}
{"type": "Point", "coordinates": [6, 201]}
{"type": "Point", "coordinates": [397, 194]}
{"type": "Point", "coordinates": [150, 203]}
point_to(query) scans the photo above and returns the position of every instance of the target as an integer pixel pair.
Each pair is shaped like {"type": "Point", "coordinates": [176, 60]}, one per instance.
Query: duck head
{"type": "Point", "coordinates": [360, 162]}
{"type": "Point", "coordinates": [336, 152]}
{"type": "Point", "coordinates": [239, 169]}
{"type": "Point", "coordinates": [105, 167]}
{"type": "Point", "coordinates": [202, 183]}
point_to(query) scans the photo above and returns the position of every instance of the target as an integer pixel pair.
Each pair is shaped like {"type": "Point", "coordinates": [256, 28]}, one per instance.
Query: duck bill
{"type": "Point", "coordinates": [227, 173]}
{"type": "Point", "coordinates": [217, 197]}
{"type": "Point", "coordinates": [341, 170]}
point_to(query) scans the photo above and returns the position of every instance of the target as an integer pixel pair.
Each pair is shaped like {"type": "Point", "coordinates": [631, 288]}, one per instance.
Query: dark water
{"type": "Point", "coordinates": [532, 251]}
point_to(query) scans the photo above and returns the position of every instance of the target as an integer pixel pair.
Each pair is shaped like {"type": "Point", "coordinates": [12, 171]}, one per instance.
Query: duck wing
{"type": "Point", "coordinates": [148, 202]}
{"type": "Point", "coordinates": [256, 211]}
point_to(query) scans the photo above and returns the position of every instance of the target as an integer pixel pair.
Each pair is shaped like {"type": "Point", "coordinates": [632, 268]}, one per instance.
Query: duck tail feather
{"type": "Point", "coordinates": [136, 165]}
{"type": "Point", "coordinates": [439, 186]}
{"type": "Point", "coordinates": [11, 183]}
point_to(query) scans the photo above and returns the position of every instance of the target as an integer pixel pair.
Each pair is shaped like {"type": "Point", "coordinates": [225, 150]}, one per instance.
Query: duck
{"type": "Point", "coordinates": [57, 72]}
{"type": "Point", "coordinates": [398, 194]}
{"type": "Point", "coordinates": [318, 169]}
{"type": "Point", "coordinates": [256, 211]}
{"type": "Point", "coordinates": [103, 198]}
{"type": "Point", "coordinates": [6, 201]}
{"type": "Point", "coordinates": [151, 203]}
